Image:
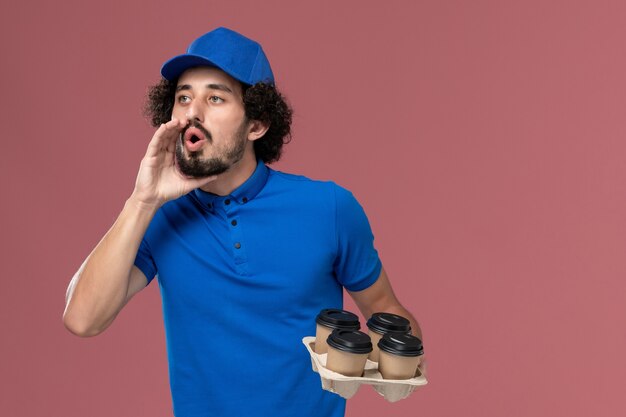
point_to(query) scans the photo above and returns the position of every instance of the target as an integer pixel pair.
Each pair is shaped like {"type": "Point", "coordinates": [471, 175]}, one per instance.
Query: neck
{"type": "Point", "coordinates": [234, 177]}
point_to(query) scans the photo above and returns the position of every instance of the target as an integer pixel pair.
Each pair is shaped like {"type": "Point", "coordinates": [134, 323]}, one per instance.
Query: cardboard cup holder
{"type": "Point", "coordinates": [346, 386]}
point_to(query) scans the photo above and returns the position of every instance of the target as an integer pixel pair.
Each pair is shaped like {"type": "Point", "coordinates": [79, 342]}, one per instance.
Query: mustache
{"type": "Point", "coordinates": [198, 126]}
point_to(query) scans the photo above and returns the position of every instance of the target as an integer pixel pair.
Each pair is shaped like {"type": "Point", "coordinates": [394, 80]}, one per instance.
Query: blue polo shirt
{"type": "Point", "coordinates": [242, 278]}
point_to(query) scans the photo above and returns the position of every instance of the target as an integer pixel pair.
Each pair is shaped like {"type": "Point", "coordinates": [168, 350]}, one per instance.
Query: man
{"type": "Point", "coordinates": [246, 256]}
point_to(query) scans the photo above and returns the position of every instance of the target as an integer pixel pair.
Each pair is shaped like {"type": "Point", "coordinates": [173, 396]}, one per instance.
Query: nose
{"type": "Point", "coordinates": [194, 111]}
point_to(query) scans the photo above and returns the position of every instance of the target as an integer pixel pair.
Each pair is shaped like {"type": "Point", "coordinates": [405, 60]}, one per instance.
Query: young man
{"type": "Point", "coordinates": [246, 256]}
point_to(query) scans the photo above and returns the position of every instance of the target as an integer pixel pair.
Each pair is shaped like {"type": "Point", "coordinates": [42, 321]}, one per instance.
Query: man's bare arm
{"type": "Point", "coordinates": [379, 297]}
{"type": "Point", "coordinates": [108, 278]}
{"type": "Point", "coordinates": [100, 288]}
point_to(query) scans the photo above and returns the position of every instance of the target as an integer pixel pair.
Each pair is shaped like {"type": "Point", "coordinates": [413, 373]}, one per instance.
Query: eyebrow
{"type": "Point", "coordinates": [220, 87]}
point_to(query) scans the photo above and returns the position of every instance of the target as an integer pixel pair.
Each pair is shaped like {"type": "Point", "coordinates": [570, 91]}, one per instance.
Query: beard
{"type": "Point", "coordinates": [195, 166]}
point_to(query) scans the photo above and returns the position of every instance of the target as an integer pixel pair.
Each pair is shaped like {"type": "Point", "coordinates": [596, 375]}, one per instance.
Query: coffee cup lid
{"type": "Point", "coordinates": [338, 319]}
{"type": "Point", "coordinates": [352, 341]}
{"type": "Point", "coordinates": [401, 344]}
{"type": "Point", "coordinates": [388, 323]}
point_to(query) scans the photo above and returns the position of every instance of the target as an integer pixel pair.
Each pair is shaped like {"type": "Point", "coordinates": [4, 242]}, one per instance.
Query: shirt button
{"type": "Point", "coordinates": [234, 222]}
{"type": "Point", "coordinates": [227, 202]}
{"type": "Point", "coordinates": [245, 200]}
{"type": "Point", "coordinates": [237, 245]}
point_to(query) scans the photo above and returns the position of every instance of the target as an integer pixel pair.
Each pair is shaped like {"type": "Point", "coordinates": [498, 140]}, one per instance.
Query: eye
{"type": "Point", "coordinates": [215, 99]}
{"type": "Point", "coordinates": [184, 99]}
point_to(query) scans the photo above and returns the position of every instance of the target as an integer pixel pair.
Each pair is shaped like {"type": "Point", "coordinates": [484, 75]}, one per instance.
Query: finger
{"type": "Point", "coordinates": [171, 145]}
{"type": "Point", "coordinates": [166, 133]}
{"type": "Point", "coordinates": [176, 135]}
{"type": "Point", "coordinates": [155, 144]}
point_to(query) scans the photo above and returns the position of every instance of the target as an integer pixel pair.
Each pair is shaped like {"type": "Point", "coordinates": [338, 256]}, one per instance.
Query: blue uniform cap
{"type": "Point", "coordinates": [233, 53]}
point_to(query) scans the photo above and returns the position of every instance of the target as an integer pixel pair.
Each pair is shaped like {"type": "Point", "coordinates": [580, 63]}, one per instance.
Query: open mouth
{"type": "Point", "coordinates": [194, 139]}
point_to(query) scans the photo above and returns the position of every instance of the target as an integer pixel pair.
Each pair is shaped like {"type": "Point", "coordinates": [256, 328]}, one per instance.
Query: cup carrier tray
{"type": "Point", "coordinates": [346, 386]}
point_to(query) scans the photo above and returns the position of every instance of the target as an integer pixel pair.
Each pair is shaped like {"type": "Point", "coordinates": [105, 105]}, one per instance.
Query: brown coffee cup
{"type": "Point", "coordinates": [400, 356]}
{"type": "Point", "coordinates": [348, 351]}
{"type": "Point", "coordinates": [330, 319]}
{"type": "Point", "coordinates": [382, 323]}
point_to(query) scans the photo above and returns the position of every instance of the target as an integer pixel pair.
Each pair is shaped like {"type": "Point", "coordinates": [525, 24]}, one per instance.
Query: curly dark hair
{"type": "Point", "coordinates": [261, 101]}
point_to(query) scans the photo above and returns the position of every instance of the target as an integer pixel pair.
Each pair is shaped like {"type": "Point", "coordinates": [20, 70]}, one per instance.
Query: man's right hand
{"type": "Point", "coordinates": [159, 179]}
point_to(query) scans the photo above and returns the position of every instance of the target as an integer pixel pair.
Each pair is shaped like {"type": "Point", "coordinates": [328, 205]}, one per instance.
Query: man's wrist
{"type": "Point", "coordinates": [142, 206]}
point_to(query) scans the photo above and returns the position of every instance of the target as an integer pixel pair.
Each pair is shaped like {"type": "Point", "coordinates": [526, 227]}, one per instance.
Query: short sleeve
{"type": "Point", "coordinates": [357, 265]}
{"type": "Point", "coordinates": [145, 262]}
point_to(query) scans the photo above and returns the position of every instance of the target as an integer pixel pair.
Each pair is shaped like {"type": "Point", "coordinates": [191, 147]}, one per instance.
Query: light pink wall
{"type": "Point", "coordinates": [485, 140]}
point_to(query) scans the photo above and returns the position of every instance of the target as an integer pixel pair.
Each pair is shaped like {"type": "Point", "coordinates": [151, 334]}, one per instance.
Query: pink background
{"type": "Point", "coordinates": [485, 140]}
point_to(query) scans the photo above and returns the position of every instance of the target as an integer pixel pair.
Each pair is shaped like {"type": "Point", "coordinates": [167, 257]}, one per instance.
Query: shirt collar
{"type": "Point", "coordinates": [242, 194]}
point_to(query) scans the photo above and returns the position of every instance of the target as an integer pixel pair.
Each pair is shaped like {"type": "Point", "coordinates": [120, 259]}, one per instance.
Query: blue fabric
{"type": "Point", "coordinates": [240, 57]}
{"type": "Point", "coordinates": [239, 297]}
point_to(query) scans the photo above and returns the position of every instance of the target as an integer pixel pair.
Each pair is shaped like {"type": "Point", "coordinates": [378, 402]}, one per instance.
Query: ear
{"type": "Point", "coordinates": [257, 129]}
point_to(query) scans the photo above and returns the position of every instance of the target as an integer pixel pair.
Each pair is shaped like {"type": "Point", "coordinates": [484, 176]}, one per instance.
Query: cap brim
{"type": "Point", "coordinates": [173, 68]}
